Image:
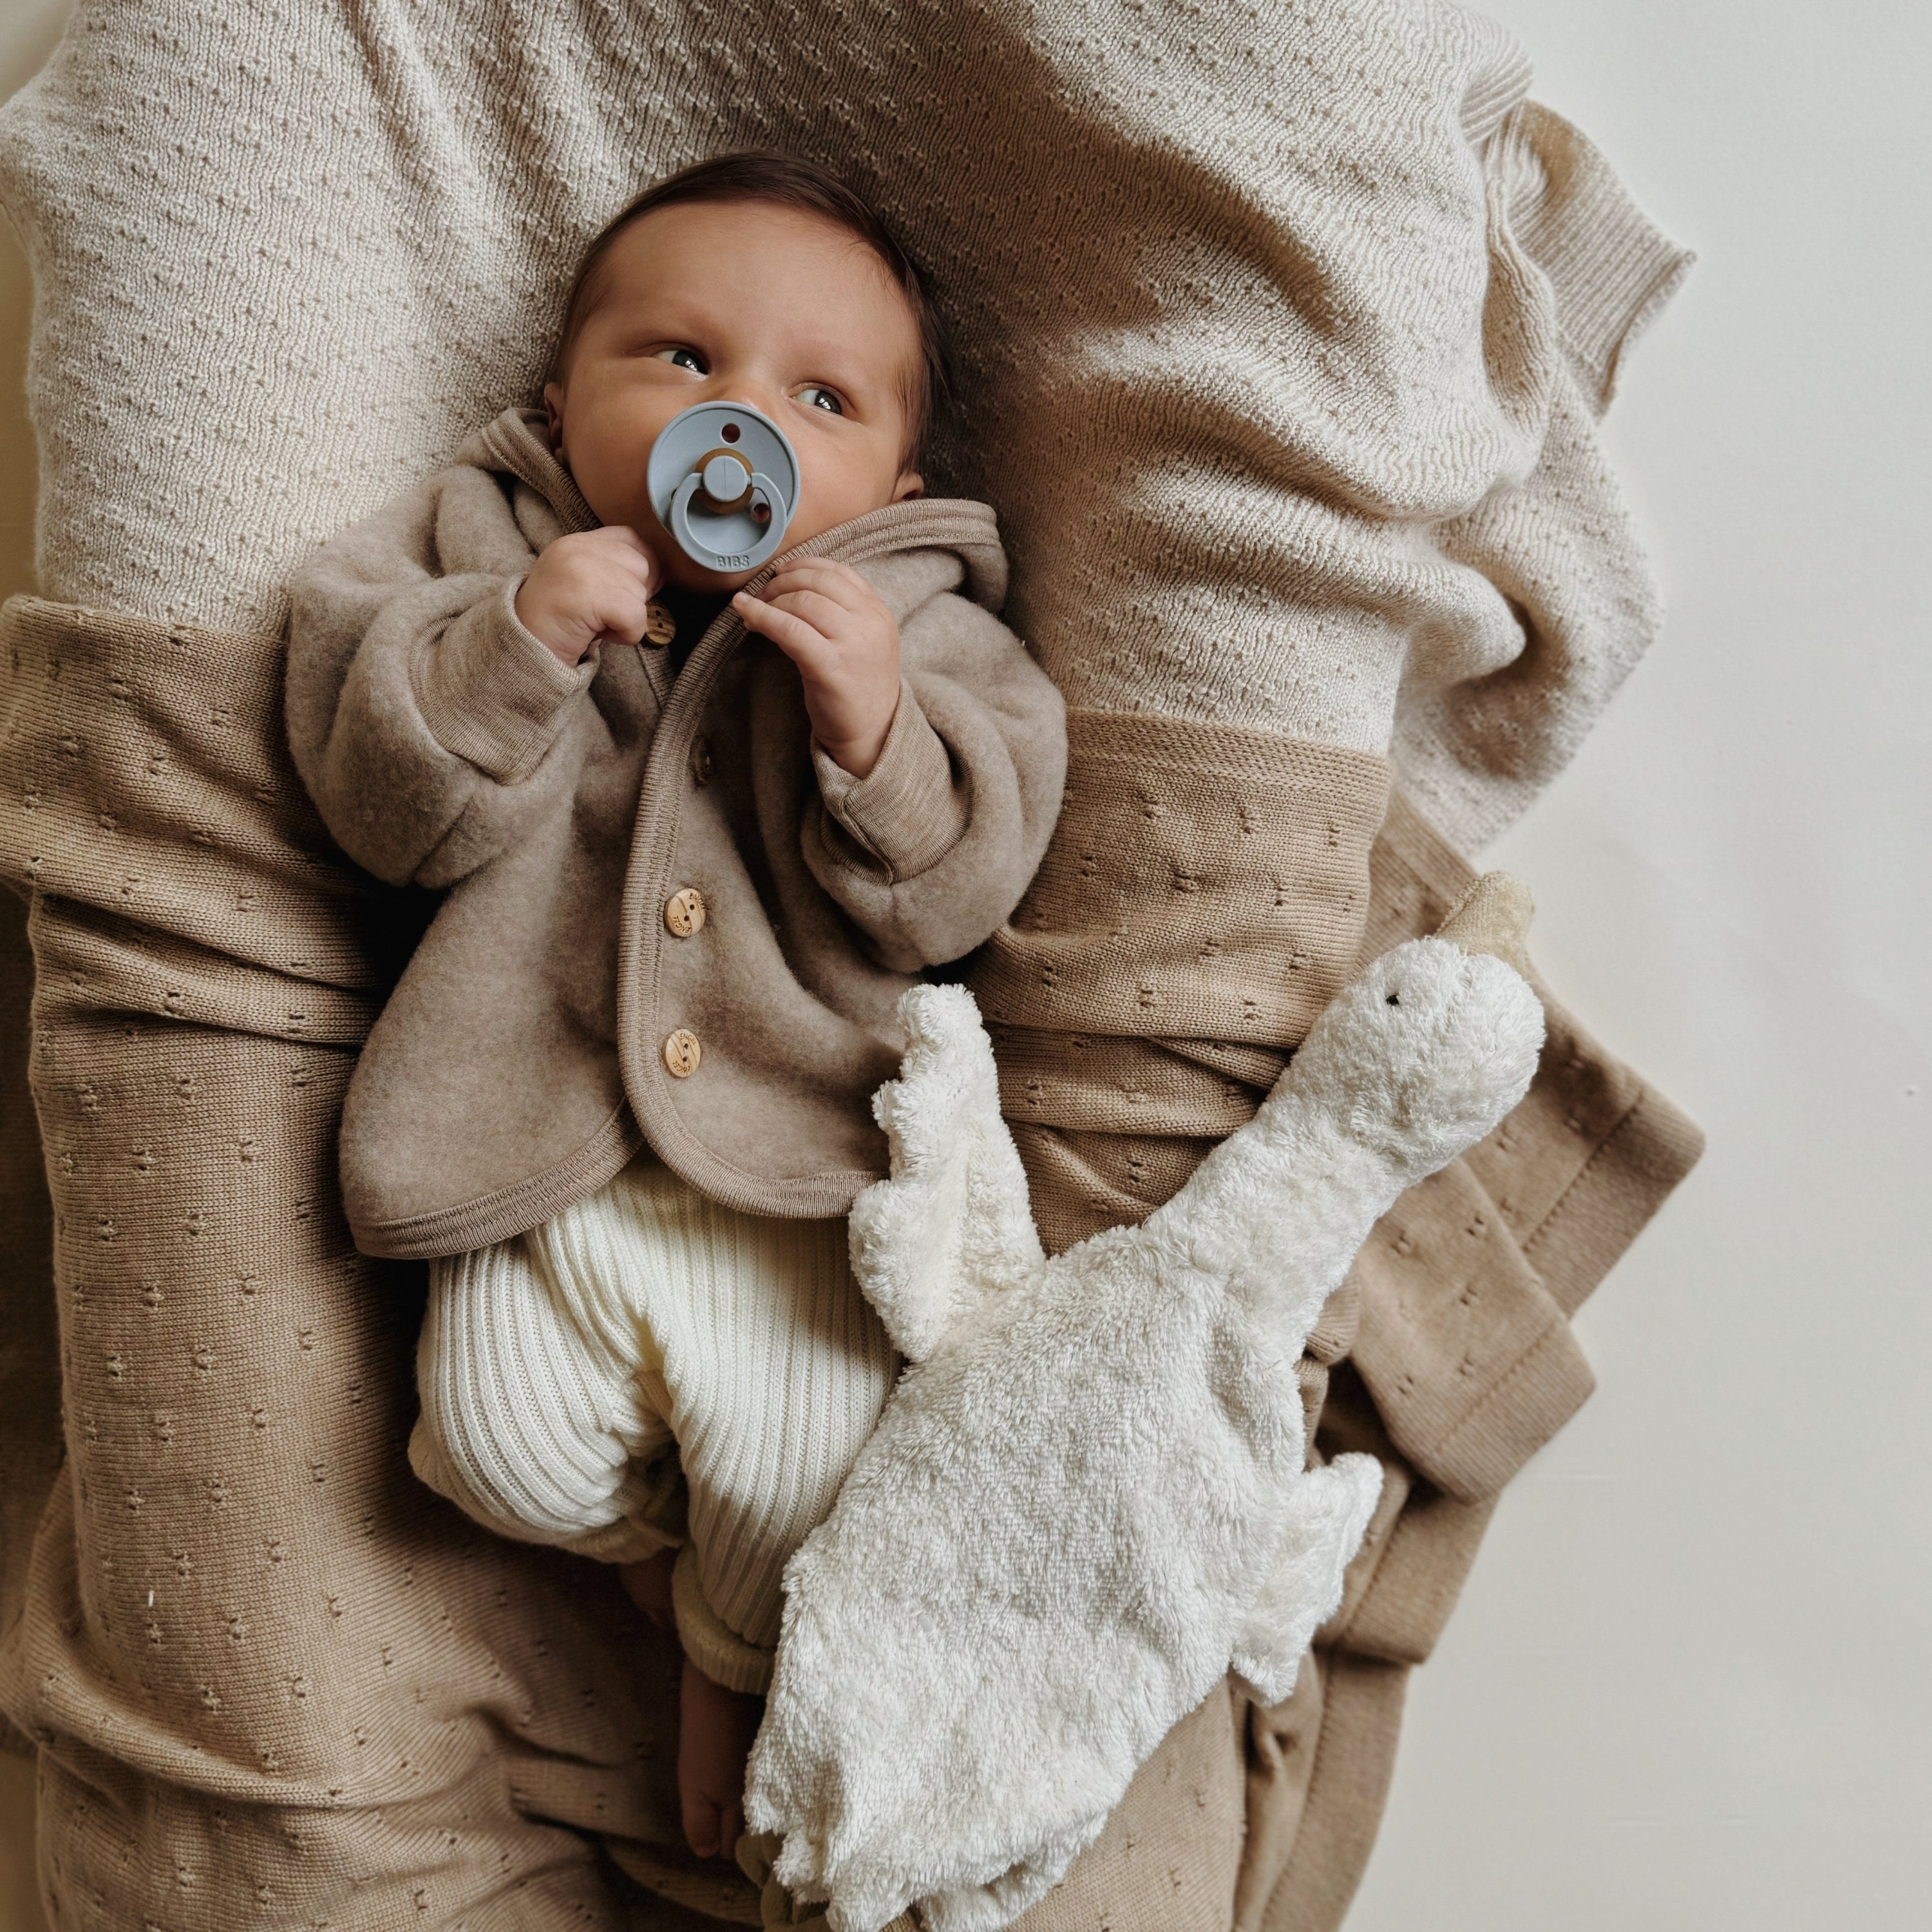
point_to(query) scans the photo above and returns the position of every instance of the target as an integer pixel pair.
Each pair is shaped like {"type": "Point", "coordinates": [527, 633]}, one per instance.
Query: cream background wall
{"type": "Point", "coordinates": [1686, 1689]}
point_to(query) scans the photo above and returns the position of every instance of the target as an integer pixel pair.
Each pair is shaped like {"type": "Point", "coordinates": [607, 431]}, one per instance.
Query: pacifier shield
{"type": "Point", "coordinates": [724, 480]}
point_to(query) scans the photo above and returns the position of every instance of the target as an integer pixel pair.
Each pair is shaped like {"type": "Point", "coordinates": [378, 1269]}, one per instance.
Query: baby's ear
{"type": "Point", "coordinates": [553, 409]}
{"type": "Point", "coordinates": [911, 484]}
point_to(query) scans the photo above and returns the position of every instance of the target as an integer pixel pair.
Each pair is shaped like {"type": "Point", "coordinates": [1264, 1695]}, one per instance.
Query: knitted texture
{"type": "Point", "coordinates": [557, 1370]}
{"type": "Point", "coordinates": [29, 1348]}
{"type": "Point", "coordinates": [325, 1685]}
{"type": "Point", "coordinates": [185, 1038]}
{"type": "Point", "coordinates": [1203, 880]}
{"type": "Point", "coordinates": [1281, 332]}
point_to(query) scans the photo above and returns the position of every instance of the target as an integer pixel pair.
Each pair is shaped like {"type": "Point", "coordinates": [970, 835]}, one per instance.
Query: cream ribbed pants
{"type": "Point", "coordinates": [651, 1369]}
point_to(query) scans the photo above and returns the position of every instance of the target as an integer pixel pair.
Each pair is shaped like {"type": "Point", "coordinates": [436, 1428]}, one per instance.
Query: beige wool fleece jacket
{"type": "Point", "coordinates": [547, 1026]}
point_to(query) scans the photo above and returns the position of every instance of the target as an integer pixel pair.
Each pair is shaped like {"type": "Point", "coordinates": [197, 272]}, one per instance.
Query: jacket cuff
{"type": "Point", "coordinates": [491, 692]}
{"type": "Point", "coordinates": [718, 1650]}
{"type": "Point", "coordinates": [907, 811]}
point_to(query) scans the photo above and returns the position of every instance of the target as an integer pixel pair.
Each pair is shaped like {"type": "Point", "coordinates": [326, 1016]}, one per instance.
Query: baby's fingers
{"type": "Point", "coordinates": [623, 609]}
{"type": "Point", "coordinates": [839, 582]}
{"type": "Point", "coordinates": [789, 632]}
{"type": "Point", "coordinates": [828, 619]}
{"type": "Point", "coordinates": [621, 545]}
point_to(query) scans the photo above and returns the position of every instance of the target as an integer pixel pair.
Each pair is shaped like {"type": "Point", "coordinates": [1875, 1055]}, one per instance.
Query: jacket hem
{"type": "Point", "coordinates": [506, 1212]}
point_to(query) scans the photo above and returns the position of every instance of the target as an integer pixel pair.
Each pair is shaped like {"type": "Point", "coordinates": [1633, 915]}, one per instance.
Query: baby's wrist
{"type": "Point", "coordinates": [549, 630]}
{"type": "Point", "coordinates": [858, 753]}
{"type": "Point", "coordinates": [858, 758]}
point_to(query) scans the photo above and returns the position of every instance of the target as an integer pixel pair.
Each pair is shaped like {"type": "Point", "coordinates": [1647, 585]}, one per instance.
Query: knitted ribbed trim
{"type": "Point", "coordinates": [718, 1650]}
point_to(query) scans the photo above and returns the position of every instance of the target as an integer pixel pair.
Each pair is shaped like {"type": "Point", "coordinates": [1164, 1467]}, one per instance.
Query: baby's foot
{"type": "Point", "coordinates": [648, 1585]}
{"type": "Point", "coordinates": [715, 1728]}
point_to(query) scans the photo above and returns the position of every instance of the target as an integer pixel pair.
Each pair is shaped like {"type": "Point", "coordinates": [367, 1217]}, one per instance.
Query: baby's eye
{"type": "Point", "coordinates": [817, 396]}
{"type": "Point", "coordinates": [684, 358]}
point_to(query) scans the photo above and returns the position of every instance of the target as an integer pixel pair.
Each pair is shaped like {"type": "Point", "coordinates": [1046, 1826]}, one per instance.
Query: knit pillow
{"type": "Point", "coordinates": [1281, 330]}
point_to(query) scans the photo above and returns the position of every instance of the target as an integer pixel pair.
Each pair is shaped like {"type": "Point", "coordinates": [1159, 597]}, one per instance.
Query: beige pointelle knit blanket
{"type": "Point", "coordinates": [238, 1388]}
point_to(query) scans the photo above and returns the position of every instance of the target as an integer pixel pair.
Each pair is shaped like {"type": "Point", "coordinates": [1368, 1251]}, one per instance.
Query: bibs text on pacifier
{"type": "Point", "coordinates": [723, 481]}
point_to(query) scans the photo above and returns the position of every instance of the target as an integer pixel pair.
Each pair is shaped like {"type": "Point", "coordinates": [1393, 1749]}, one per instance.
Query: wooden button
{"type": "Point", "coordinates": [684, 912]}
{"type": "Point", "coordinates": [682, 1053]}
{"type": "Point", "coordinates": [700, 762]}
{"type": "Point", "coordinates": [660, 626]}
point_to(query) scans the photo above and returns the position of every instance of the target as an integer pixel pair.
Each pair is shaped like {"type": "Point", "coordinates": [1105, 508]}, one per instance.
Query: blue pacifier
{"type": "Point", "coordinates": [723, 481]}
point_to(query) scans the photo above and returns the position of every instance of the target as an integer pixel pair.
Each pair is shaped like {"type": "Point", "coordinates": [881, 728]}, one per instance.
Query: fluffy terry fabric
{"type": "Point", "coordinates": [1089, 1497]}
{"type": "Point", "coordinates": [568, 1378]}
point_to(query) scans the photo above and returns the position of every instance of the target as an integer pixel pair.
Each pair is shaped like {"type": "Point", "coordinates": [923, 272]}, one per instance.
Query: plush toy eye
{"type": "Point", "coordinates": [1392, 1001]}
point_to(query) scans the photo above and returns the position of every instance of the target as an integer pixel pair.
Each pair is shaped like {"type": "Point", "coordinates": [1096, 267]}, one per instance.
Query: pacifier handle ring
{"type": "Point", "coordinates": [696, 547]}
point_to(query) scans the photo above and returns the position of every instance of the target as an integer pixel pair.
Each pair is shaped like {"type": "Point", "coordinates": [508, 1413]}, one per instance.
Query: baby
{"type": "Point", "coordinates": [693, 838]}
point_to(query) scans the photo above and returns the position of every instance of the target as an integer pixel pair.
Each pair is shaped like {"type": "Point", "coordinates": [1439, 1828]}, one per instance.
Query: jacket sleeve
{"type": "Point", "coordinates": [419, 706]}
{"type": "Point", "coordinates": [931, 849]}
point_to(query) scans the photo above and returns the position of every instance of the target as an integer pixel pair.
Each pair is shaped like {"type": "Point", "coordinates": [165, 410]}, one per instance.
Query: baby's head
{"type": "Point", "coordinates": [750, 278]}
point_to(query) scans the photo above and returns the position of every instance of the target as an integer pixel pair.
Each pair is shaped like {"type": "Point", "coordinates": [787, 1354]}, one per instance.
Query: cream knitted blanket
{"type": "Point", "coordinates": [1282, 327]}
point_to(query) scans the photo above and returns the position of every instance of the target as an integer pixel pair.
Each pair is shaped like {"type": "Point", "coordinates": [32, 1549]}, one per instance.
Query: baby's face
{"type": "Point", "coordinates": [744, 302]}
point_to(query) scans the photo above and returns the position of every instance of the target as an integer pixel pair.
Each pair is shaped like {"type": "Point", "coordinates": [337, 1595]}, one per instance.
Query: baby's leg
{"type": "Point", "coordinates": [774, 1369]}
{"type": "Point", "coordinates": [531, 1419]}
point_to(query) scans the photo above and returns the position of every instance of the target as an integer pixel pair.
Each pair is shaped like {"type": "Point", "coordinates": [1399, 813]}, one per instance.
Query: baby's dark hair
{"type": "Point", "coordinates": [784, 181]}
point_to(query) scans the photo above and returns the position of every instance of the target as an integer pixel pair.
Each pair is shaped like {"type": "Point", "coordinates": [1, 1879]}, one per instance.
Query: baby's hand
{"type": "Point", "coordinates": [587, 587]}
{"type": "Point", "coordinates": [835, 627]}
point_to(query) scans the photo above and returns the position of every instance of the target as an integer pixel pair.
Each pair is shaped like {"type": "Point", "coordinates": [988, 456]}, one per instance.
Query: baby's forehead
{"type": "Point", "coordinates": [723, 253]}
{"type": "Point", "coordinates": [725, 240]}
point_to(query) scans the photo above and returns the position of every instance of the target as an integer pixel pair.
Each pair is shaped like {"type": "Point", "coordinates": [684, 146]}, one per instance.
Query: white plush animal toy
{"type": "Point", "coordinates": [1089, 1496]}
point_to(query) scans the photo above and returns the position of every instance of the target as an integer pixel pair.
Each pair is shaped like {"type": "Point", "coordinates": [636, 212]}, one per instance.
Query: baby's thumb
{"type": "Point", "coordinates": [633, 540]}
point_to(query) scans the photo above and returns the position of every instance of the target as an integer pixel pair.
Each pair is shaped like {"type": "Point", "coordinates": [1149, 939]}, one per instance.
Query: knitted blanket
{"type": "Point", "coordinates": [1282, 332]}
{"type": "Point", "coordinates": [252, 1649]}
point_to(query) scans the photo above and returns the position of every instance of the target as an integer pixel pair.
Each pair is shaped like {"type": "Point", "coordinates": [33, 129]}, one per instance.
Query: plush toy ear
{"type": "Point", "coordinates": [952, 1224]}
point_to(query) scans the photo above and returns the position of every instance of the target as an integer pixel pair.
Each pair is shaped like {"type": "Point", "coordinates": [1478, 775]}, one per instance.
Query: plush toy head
{"type": "Point", "coordinates": [1413, 1055]}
